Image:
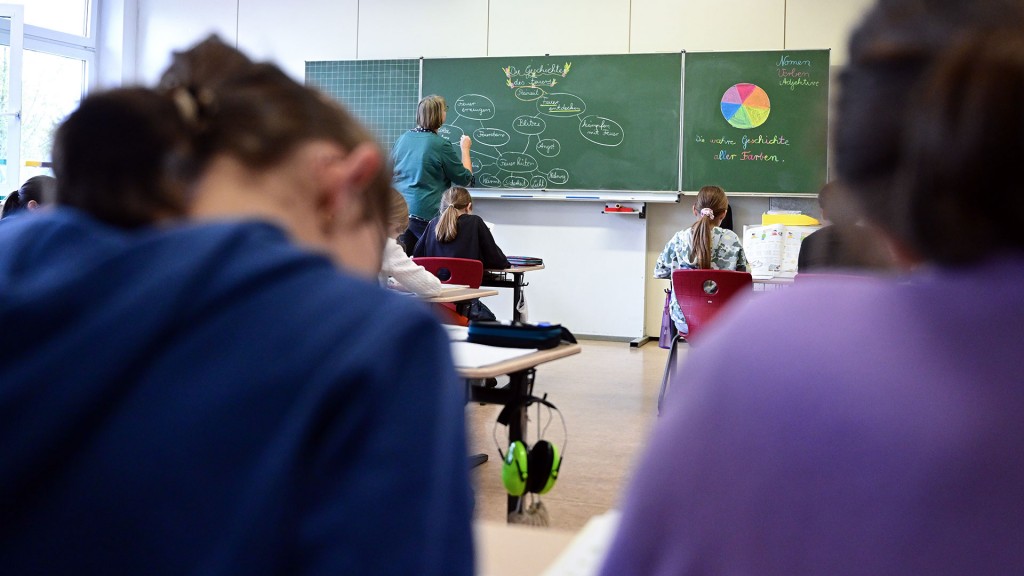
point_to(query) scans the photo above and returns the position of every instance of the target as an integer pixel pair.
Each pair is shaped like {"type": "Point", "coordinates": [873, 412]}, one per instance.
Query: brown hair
{"type": "Point", "coordinates": [713, 198]}
{"type": "Point", "coordinates": [257, 114]}
{"type": "Point", "coordinates": [398, 213]}
{"type": "Point", "coordinates": [890, 52]}
{"type": "Point", "coordinates": [430, 112]}
{"type": "Point", "coordinates": [962, 149]}
{"type": "Point", "coordinates": [454, 199]}
{"type": "Point", "coordinates": [124, 156]}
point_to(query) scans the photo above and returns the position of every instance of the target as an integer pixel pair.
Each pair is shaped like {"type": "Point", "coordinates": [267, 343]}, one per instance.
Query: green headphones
{"type": "Point", "coordinates": [534, 470]}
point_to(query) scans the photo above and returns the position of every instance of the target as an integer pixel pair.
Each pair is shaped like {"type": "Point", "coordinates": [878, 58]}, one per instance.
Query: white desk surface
{"type": "Point", "coordinates": [516, 550]}
{"type": "Point", "coordinates": [462, 294]}
{"type": "Point", "coordinates": [520, 362]}
{"type": "Point", "coordinates": [481, 361]}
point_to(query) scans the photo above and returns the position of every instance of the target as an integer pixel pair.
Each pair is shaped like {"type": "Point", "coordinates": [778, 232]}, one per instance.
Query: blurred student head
{"type": "Point", "coordinates": [36, 192]}
{"type": "Point", "coordinates": [891, 53]}
{"type": "Point", "coordinates": [124, 156]}
{"type": "Point", "coordinates": [269, 146]}
{"type": "Point", "coordinates": [961, 201]}
{"type": "Point", "coordinates": [398, 214]}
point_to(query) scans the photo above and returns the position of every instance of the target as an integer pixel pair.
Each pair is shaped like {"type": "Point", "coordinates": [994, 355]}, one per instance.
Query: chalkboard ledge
{"type": "Point", "coordinates": [577, 195]}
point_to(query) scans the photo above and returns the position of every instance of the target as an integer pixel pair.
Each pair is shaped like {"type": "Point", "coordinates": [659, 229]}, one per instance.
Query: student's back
{"type": "Point", "coordinates": [169, 415]}
{"type": "Point", "coordinates": [470, 238]}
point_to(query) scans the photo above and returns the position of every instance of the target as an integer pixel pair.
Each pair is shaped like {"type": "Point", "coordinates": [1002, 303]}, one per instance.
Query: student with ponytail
{"type": "Point", "coordinates": [704, 245]}
{"type": "Point", "coordinates": [458, 233]}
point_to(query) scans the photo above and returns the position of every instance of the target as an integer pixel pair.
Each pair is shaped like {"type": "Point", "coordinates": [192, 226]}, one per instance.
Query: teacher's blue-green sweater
{"type": "Point", "coordinates": [212, 399]}
{"type": "Point", "coordinates": [426, 165]}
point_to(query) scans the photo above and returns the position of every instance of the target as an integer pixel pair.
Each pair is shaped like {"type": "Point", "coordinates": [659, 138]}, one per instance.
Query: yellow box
{"type": "Point", "coordinates": [788, 219]}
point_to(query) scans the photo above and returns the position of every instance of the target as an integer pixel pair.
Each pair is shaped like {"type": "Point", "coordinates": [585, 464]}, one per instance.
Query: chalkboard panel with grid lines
{"type": "Point", "coordinates": [381, 93]}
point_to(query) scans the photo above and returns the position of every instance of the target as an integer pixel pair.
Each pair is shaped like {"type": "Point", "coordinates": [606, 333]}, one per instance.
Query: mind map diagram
{"type": "Point", "coordinates": [536, 164]}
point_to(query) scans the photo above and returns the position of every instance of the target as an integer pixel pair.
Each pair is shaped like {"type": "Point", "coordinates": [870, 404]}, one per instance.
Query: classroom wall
{"type": "Point", "coordinates": [370, 29]}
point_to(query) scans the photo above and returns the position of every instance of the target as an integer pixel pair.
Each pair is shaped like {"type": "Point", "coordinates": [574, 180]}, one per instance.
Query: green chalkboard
{"type": "Point", "coordinates": [565, 122]}
{"type": "Point", "coordinates": [756, 121]}
{"type": "Point", "coordinates": [380, 93]}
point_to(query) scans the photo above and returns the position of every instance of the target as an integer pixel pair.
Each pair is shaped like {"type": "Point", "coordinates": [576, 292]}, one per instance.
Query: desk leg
{"type": "Point", "coordinates": [521, 386]}
{"type": "Point", "coordinates": [517, 294]}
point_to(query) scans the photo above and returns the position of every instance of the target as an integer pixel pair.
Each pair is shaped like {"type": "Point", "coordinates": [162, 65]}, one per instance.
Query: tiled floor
{"type": "Point", "coordinates": [608, 394]}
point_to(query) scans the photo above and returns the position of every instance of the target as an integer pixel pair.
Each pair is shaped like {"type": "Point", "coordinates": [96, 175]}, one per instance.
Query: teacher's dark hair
{"type": "Point", "coordinates": [962, 198]}
{"type": "Point", "coordinates": [123, 156]}
{"type": "Point", "coordinates": [891, 51]}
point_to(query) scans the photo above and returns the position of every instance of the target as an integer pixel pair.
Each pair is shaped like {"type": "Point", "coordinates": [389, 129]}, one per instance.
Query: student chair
{"type": "Point", "coordinates": [454, 270]}
{"type": "Point", "coordinates": [701, 295]}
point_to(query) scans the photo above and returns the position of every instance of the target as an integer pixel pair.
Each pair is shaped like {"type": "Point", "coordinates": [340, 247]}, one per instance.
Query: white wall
{"type": "Point", "coordinates": [166, 26]}
{"type": "Point", "coordinates": [291, 33]}
{"type": "Point", "coordinates": [271, 31]}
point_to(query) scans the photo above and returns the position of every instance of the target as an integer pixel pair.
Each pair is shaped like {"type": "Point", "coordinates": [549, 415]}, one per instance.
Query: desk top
{"type": "Point", "coordinates": [518, 363]}
{"type": "Point", "coordinates": [462, 294]}
{"type": "Point", "coordinates": [511, 550]}
{"type": "Point", "coordinates": [516, 269]}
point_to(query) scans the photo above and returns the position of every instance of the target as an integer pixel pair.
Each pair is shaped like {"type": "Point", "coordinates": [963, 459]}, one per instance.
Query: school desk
{"type": "Point", "coordinates": [476, 363]}
{"type": "Point", "coordinates": [461, 294]}
{"type": "Point", "coordinates": [510, 278]}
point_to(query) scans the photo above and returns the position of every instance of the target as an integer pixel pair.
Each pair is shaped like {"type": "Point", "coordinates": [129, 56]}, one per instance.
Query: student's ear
{"type": "Point", "coordinates": [694, 209]}
{"type": "Point", "coordinates": [343, 181]}
{"type": "Point", "coordinates": [469, 208]}
{"type": "Point", "coordinates": [32, 205]}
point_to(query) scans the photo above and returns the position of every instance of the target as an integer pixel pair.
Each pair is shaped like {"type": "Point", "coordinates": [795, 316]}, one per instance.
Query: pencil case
{"type": "Point", "coordinates": [518, 334]}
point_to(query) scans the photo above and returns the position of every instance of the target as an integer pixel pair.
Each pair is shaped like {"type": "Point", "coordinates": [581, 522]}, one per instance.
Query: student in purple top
{"type": "Point", "coordinates": [870, 426]}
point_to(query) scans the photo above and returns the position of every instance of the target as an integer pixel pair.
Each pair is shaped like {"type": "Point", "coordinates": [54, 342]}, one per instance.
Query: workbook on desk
{"type": "Point", "coordinates": [772, 251]}
{"type": "Point", "coordinates": [525, 261]}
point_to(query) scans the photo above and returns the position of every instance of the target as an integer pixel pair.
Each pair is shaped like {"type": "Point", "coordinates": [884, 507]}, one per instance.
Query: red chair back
{"type": "Point", "coordinates": [702, 294]}
{"type": "Point", "coordinates": [454, 270]}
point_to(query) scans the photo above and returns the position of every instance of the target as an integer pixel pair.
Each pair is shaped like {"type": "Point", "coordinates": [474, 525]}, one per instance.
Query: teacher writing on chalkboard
{"type": "Point", "coordinates": [425, 165]}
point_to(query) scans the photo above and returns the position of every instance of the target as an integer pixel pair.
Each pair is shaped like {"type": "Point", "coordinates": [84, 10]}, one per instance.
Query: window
{"type": "Point", "coordinates": [57, 54]}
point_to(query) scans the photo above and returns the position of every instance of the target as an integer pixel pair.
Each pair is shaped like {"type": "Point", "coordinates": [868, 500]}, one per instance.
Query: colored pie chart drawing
{"type": "Point", "coordinates": [745, 106]}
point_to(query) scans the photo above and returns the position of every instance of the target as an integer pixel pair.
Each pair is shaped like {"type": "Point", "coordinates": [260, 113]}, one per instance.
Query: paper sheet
{"type": "Point", "coordinates": [585, 554]}
{"type": "Point", "coordinates": [472, 355]}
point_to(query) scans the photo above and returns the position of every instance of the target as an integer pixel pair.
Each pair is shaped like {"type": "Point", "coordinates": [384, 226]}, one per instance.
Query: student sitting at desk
{"type": "Point", "coordinates": [705, 245]}
{"type": "Point", "coordinates": [216, 396]}
{"type": "Point", "coordinates": [397, 269]}
{"type": "Point", "coordinates": [870, 426]}
{"type": "Point", "coordinates": [846, 243]}
{"type": "Point", "coordinates": [458, 233]}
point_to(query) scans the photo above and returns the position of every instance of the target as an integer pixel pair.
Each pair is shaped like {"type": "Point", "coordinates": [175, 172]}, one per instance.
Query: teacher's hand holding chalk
{"type": "Point", "coordinates": [465, 142]}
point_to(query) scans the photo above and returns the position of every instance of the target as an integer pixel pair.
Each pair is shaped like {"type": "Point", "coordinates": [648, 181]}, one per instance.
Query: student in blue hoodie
{"type": "Point", "coordinates": [216, 396]}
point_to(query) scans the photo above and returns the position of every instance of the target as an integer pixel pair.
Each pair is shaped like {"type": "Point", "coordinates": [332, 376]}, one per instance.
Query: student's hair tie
{"type": "Point", "coordinates": [707, 212]}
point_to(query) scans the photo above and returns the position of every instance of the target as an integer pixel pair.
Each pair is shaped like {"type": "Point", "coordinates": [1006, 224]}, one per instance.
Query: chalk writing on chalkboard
{"type": "Point", "coordinates": [607, 122]}
{"type": "Point", "coordinates": [756, 121]}
{"type": "Point", "coordinates": [535, 163]}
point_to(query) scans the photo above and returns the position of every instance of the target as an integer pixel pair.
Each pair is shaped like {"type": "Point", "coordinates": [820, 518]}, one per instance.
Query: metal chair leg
{"type": "Point", "coordinates": [669, 367]}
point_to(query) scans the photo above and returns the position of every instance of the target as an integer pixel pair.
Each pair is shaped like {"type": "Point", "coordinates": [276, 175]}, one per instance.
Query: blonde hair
{"type": "Point", "coordinates": [430, 112]}
{"type": "Point", "coordinates": [453, 202]}
{"type": "Point", "coordinates": [398, 213]}
{"type": "Point", "coordinates": [713, 198]}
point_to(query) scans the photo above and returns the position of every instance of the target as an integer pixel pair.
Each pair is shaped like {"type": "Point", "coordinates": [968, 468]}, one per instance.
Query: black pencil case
{"type": "Point", "coordinates": [518, 334]}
